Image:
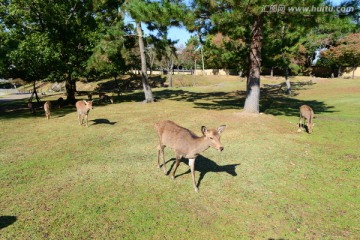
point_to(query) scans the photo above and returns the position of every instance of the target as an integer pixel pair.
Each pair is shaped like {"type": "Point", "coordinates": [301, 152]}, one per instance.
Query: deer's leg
{"type": "Point", "coordinates": [158, 155]}
{"type": "Point", "coordinates": [79, 118]}
{"type": "Point", "coordinates": [176, 165]}
{"type": "Point", "coordinates": [299, 129]}
{"type": "Point", "coordinates": [192, 168]}
{"type": "Point", "coordinates": [163, 157]}
{"type": "Point", "coordinates": [160, 148]}
{"type": "Point", "coordinates": [86, 118]}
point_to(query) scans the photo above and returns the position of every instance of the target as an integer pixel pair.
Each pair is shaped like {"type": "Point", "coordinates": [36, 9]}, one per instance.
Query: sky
{"type": "Point", "coordinates": [181, 34]}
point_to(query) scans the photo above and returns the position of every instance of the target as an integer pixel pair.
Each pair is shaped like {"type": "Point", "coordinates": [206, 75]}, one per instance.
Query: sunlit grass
{"type": "Point", "coordinates": [63, 181]}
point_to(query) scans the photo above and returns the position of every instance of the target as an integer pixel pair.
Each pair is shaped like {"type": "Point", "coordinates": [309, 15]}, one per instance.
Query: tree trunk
{"type": "Point", "coordinates": [70, 86]}
{"type": "Point", "coordinates": [194, 80]}
{"type": "Point", "coordinates": [169, 74]}
{"type": "Point", "coordinates": [35, 93]}
{"type": "Point", "coordinates": [202, 60]}
{"type": "Point", "coordinates": [287, 80]}
{"type": "Point", "coordinates": [253, 80]}
{"type": "Point", "coordinates": [272, 72]}
{"type": "Point", "coordinates": [145, 82]}
{"type": "Point", "coordinates": [353, 75]}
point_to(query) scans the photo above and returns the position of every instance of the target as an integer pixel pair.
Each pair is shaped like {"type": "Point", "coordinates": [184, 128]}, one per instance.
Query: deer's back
{"type": "Point", "coordinates": [173, 135]}
{"type": "Point", "coordinates": [47, 106]}
{"type": "Point", "coordinates": [306, 111]}
{"type": "Point", "coordinates": [81, 107]}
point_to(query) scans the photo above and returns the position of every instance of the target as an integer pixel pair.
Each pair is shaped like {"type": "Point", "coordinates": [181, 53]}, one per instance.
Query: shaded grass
{"type": "Point", "coordinates": [63, 181]}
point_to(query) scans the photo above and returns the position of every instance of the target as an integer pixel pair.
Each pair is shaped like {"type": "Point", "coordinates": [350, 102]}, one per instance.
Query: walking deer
{"type": "Point", "coordinates": [186, 144]}
{"type": "Point", "coordinates": [83, 108]}
{"type": "Point", "coordinates": [47, 108]}
{"type": "Point", "coordinates": [306, 114]}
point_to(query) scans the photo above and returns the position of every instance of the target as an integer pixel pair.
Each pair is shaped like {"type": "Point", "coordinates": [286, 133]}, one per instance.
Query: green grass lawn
{"type": "Point", "coordinates": [59, 180]}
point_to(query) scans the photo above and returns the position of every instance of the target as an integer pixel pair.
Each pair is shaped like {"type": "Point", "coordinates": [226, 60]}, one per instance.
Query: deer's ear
{"type": "Point", "coordinates": [203, 130]}
{"type": "Point", "coordinates": [85, 102]}
{"type": "Point", "coordinates": [221, 129]}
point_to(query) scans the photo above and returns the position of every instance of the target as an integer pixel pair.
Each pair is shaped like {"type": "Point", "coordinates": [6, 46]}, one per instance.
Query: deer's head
{"type": "Point", "coordinates": [310, 127]}
{"type": "Point", "coordinates": [213, 136]}
{"type": "Point", "coordinates": [89, 104]}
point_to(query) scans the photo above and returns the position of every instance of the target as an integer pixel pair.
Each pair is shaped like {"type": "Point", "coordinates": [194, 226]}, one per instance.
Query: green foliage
{"type": "Point", "coordinates": [69, 30]}
{"type": "Point", "coordinates": [34, 58]}
{"type": "Point", "coordinates": [346, 53]}
{"type": "Point", "coordinates": [223, 52]}
{"type": "Point", "coordinates": [107, 58]}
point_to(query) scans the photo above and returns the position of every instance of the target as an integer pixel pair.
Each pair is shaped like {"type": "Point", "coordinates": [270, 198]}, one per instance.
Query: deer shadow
{"type": "Point", "coordinates": [102, 121]}
{"type": "Point", "coordinates": [6, 221]}
{"type": "Point", "coordinates": [205, 165]}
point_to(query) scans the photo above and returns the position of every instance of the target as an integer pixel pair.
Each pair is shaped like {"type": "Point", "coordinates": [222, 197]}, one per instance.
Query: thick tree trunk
{"type": "Point", "coordinates": [70, 86]}
{"type": "Point", "coordinates": [253, 80]}
{"type": "Point", "coordinates": [145, 82]}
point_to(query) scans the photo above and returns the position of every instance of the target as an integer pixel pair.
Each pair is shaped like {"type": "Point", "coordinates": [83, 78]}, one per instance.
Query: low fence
{"type": "Point", "coordinates": [220, 72]}
{"type": "Point", "coordinates": [14, 91]}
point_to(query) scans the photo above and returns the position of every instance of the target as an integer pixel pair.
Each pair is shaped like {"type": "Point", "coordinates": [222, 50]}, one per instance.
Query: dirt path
{"type": "Point", "coordinates": [11, 97]}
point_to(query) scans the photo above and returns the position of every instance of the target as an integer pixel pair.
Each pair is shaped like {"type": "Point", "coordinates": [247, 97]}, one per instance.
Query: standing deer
{"type": "Point", "coordinates": [31, 107]}
{"type": "Point", "coordinates": [186, 144]}
{"type": "Point", "coordinates": [47, 108]}
{"type": "Point", "coordinates": [106, 98]}
{"type": "Point", "coordinates": [83, 108]}
{"type": "Point", "coordinates": [60, 102]}
{"type": "Point", "coordinates": [306, 113]}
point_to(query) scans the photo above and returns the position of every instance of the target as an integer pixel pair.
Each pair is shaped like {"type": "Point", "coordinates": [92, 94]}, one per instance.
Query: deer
{"type": "Point", "coordinates": [47, 108]}
{"type": "Point", "coordinates": [106, 98]}
{"type": "Point", "coordinates": [60, 102]}
{"type": "Point", "coordinates": [83, 108]}
{"type": "Point", "coordinates": [306, 114]}
{"type": "Point", "coordinates": [186, 144]}
{"type": "Point", "coordinates": [31, 107]}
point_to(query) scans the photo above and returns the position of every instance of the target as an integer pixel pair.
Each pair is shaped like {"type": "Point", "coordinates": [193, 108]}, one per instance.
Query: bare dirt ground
{"type": "Point", "coordinates": [11, 97]}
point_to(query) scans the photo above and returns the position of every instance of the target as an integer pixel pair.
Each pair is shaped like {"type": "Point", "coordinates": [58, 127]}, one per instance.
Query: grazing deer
{"type": "Point", "coordinates": [106, 98]}
{"type": "Point", "coordinates": [31, 107]}
{"type": "Point", "coordinates": [60, 102]}
{"type": "Point", "coordinates": [83, 108]}
{"type": "Point", "coordinates": [306, 113]}
{"type": "Point", "coordinates": [186, 144]}
{"type": "Point", "coordinates": [47, 108]}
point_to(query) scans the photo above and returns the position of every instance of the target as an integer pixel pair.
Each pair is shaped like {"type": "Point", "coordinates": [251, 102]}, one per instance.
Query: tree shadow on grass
{"type": "Point", "coordinates": [19, 109]}
{"type": "Point", "coordinates": [6, 221]}
{"type": "Point", "coordinates": [205, 165]}
{"type": "Point", "coordinates": [271, 102]}
{"type": "Point", "coordinates": [274, 102]}
{"type": "Point", "coordinates": [279, 103]}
